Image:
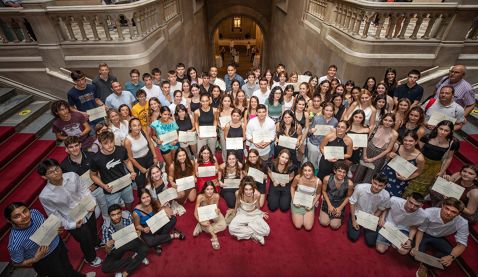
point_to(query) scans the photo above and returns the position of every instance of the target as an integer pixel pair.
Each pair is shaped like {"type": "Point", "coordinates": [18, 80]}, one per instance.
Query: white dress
{"type": "Point", "coordinates": [248, 221]}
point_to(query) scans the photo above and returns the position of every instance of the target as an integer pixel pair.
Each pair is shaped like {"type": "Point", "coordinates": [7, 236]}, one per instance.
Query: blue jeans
{"type": "Point", "coordinates": [440, 246]}
{"type": "Point", "coordinates": [354, 235]}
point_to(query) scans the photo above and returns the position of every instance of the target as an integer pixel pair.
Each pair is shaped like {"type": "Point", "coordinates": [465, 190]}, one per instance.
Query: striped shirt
{"type": "Point", "coordinates": [464, 94]}
{"type": "Point", "coordinates": [108, 227]}
{"type": "Point", "coordinates": [20, 247]}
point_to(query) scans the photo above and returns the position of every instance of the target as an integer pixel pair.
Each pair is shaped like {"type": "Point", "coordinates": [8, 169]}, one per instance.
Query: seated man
{"type": "Point", "coordinates": [441, 223]}
{"type": "Point", "coordinates": [406, 215]}
{"type": "Point", "coordinates": [114, 261]}
{"type": "Point", "coordinates": [369, 198]}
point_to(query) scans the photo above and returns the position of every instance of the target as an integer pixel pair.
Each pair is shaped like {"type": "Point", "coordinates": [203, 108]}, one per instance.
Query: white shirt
{"type": "Point", "coordinates": [121, 132]}
{"type": "Point", "coordinates": [262, 96]}
{"type": "Point", "coordinates": [59, 200]}
{"type": "Point", "coordinates": [155, 91]}
{"type": "Point", "coordinates": [398, 216]}
{"type": "Point", "coordinates": [220, 83]}
{"type": "Point", "coordinates": [268, 126]}
{"type": "Point", "coordinates": [435, 226]}
{"type": "Point", "coordinates": [177, 86]}
{"type": "Point", "coordinates": [369, 202]}
{"type": "Point", "coordinates": [326, 77]}
{"type": "Point", "coordinates": [172, 107]}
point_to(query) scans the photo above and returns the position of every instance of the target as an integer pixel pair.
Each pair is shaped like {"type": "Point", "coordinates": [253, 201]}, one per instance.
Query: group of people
{"type": "Point", "coordinates": [297, 142]}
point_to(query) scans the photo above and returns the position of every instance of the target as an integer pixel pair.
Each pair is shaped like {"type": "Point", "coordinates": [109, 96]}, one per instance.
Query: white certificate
{"type": "Point", "coordinates": [168, 137]}
{"type": "Point", "coordinates": [402, 166]}
{"type": "Point", "coordinates": [120, 183]}
{"type": "Point", "coordinates": [436, 117]}
{"type": "Point", "coordinates": [448, 189]}
{"type": "Point", "coordinates": [366, 220]}
{"type": "Point", "coordinates": [334, 152]}
{"type": "Point", "coordinates": [167, 195]}
{"type": "Point", "coordinates": [359, 140]}
{"type": "Point", "coordinates": [186, 136]}
{"type": "Point", "coordinates": [86, 179]}
{"type": "Point", "coordinates": [47, 232]}
{"type": "Point", "coordinates": [393, 235]}
{"type": "Point", "coordinates": [303, 199]}
{"type": "Point", "coordinates": [125, 235]}
{"type": "Point", "coordinates": [322, 130]}
{"type": "Point", "coordinates": [280, 178]}
{"type": "Point", "coordinates": [223, 120]}
{"type": "Point", "coordinates": [231, 183]}
{"type": "Point", "coordinates": [287, 142]}
{"type": "Point", "coordinates": [427, 259]}
{"type": "Point", "coordinates": [157, 221]}
{"type": "Point", "coordinates": [261, 136]}
{"type": "Point", "coordinates": [256, 174]}
{"type": "Point", "coordinates": [206, 171]}
{"type": "Point", "coordinates": [207, 212]}
{"type": "Point", "coordinates": [234, 143]}
{"type": "Point", "coordinates": [96, 113]}
{"type": "Point", "coordinates": [185, 183]}
{"type": "Point", "coordinates": [82, 208]}
{"type": "Point", "coordinates": [207, 132]}
{"type": "Point", "coordinates": [303, 78]}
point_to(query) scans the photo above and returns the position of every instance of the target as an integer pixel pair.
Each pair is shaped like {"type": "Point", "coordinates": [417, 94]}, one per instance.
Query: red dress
{"type": "Point", "coordinates": [202, 180]}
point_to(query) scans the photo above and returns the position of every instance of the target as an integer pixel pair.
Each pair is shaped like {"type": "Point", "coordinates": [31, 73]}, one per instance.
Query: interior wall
{"type": "Point", "coordinates": [248, 27]}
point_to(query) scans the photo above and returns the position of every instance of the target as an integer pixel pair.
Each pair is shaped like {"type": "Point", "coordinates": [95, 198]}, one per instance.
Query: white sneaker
{"type": "Point", "coordinates": [118, 274]}
{"type": "Point", "coordinates": [145, 261]}
{"type": "Point", "coordinates": [259, 239]}
{"type": "Point", "coordinates": [177, 208]}
{"type": "Point", "coordinates": [96, 262]}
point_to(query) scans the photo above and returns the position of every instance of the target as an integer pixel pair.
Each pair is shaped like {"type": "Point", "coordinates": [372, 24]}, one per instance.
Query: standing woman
{"type": "Point", "coordinates": [162, 126]}
{"type": "Point", "coordinates": [225, 113]}
{"type": "Point", "coordinates": [357, 126]}
{"type": "Point", "coordinates": [370, 84]}
{"type": "Point", "coordinates": [380, 143]}
{"type": "Point", "coordinates": [124, 112]}
{"type": "Point", "coordinates": [155, 182]}
{"type": "Point", "coordinates": [279, 194]}
{"type": "Point", "coordinates": [177, 100]}
{"type": "Point", "coordinates": [251, 111]}
{"type": "Point", "coordinates": [208, 196]}
{"type": "Point", "coordinates": [338, 138]}
{"type": "Point", "coordinates": [153, 110]}
{"type": "Point", "coordinates": [306, 182]}
{"type": "Point", "coordinates": [216, 96]}
{"type": "Point", "coordinates": [282, 80]}
{"type": "Point", "coordinates": [181, 168]}
{"type": "Point", "coordinates": [408, 151]}
{"type": "Point", "coordinates": [254, 161]}
{"type": "Point", "coordinates": [402, 109]}
{"type": "Point", "coordinates": [293, 77]}
{"type": "Point", "coordinates": [315, 108]}
{"type": "Point", "coordinates": [364, 104]}
{"type": "Point", "coordinates": [231, 169]}
{"type": "Point", "coordinates": [305, 92]}
{"type": "Point", "coordinates": [348, 99]}
{"type": "Point", "coordinates": [249, 221]}
{"type": "Point", "coordinates": [289, 127]}
{"type": "Point", "coordinates": [336, 188]}
{"type": "Point", "coordinates": [380, 105]}
{"type": "Point", "coordinates": [186, 124]}
{"type": "Point", "coordinates": [236, 129]}
{"type": "Point", "coordinates": [390, 80]}
{"type": "Point", "coordinates": [313, 82]}
{"type": "Point", "coordinates": [117, 126]}
{"type": "Point", "coordinates": [268, 76]}
{"type": "Point", "coordinates": [206, 116]}
{"type": "Point", "coordinates": [206, 158]}
{"type": "Point", "coordinates": [413, 122]}
{"type": "Point", "coordinates": [140, 151]}
{"type": "Point", "coordinates": [240, 101]}
{"type": "Point", "coordinates": [147, 208]}
{"type": "Point", "coordinates": [339, 107]}
{"type": "Point", "coordinates": [325, 91]}
{"type": "Point", "coordinates": [300, 115]}
{"type": "Point", "coordinates": [235, 87]}
{"type": "Point", "coordinates": [186, 89]}
{"type": "Point", "coordinates": [195, 102]}
{"type": "Point", "coordinates": [438, 148]}
{"type": "Point", "coordinates": [382, 90]}
{"type": "Point", "coordinates": [340, 89]}
{"type": "Point", "coordinates": [274, 103]}
{"type": "Point", "coordinates": [288, 97]}
{"type": "Point", "coordinates": [192, 75]}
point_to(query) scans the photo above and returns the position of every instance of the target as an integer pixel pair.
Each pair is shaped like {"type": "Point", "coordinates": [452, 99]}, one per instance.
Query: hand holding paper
{"type": "Point", "coordinates": [207, 212]}
{"type": "Point", "coordinates": [45, 234]}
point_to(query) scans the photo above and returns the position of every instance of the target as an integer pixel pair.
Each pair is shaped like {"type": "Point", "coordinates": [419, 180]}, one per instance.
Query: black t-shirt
{"type": "Point", "coordinates": [412, 94]}
{"type": "Point", "coordinates": [110, 167]}
{"type": "Point", "coordinates": [70, 166]}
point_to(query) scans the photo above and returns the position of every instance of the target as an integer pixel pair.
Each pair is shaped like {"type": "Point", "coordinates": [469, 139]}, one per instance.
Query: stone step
{"type": "Point", "coordinates": [48, 135]}
{"type": "Point", "coordinates": [26, 114]}
{"type": "Point", "coordinates": [13, 104]}
{"type": "Point", "coordinates": [6, 93]}
{"type": "Point", "coordinates": [40, 125]}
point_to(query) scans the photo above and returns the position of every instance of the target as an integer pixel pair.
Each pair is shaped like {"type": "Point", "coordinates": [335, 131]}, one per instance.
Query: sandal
{"type": "Point", "coordinates": [158, 250]}
{"type": "Point", "coordinates": [178, 234]}
{"type": "Point", "coordinates": [215, 244]}
{"type": "Point", "coordinates": [197, 230]}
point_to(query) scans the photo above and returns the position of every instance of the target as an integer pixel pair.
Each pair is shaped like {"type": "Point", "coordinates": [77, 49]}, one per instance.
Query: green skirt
{"type": "Point", "coordinates": [424, 182]}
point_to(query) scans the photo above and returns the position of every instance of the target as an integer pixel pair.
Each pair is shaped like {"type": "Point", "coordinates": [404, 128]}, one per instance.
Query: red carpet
{"type": "Point", "coordinates": [467, 152]}
{"type": "Point", "coordinates": [13, 146]}
{"type": "Point", "coordinates": [5, 132]}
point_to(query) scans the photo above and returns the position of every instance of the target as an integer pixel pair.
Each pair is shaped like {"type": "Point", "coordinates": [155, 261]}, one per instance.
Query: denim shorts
{"type": "Point", "coordinates": [126, 194]}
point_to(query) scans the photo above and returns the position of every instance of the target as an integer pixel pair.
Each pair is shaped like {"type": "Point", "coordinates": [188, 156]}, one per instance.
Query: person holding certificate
{"type": "Point", "coordinates": [380, 143]}
{"type": "Point", "coordinates": [118, 126]}
{"type": "Point", "coordinates": [288, 127]}
{"type": "Point", "coordinates": [154, 180]}
{"type": "Point", "coordinates": [357, 127]}
{"type": "Point", "coordinates": [372, 200]}
{"type": "Point", "coordinates": [182, 167]}
{"type": "Point", "coordinates": [279, 191]}
{"type": "Point", "coordinates": [315, 137]}
{"type": "Point", "coordinates": [114, 261]}
{"type": "Point", "coordinates": [337, 189]}
{"type": "Point", "coordinates": [337, 139]}
{"type": "Point", "coordinates": [404, 216]}
{"type": "Point", "coordinates": [206, 159]}
{"type": "Point", "coordinates": [165, 125]}
{"type": "Point", "coordinates": [264, 125]}
{"type": "Point", "coordinates": [146, 209]}
{"type": "Point", "coordinates": [438, 148]}
{"type": "Point", "coordinates": [305, 183]}
{"type": "Point", "coordinates": [208, 197]}
{"type": "Point", "coordinates": [249, 222]}
{"type": "Point", "coordinates": [408, 151]}
{"type": "Point", "coordinates": [141, 152]}
{"type": "Point", "coordinates": [236, 128]}
{"type": "Point", "coordinates": [49, 260]}
{"type": "Point", "coordinates": [206, 116]}
{"type": "Point", "coordinates": [224, 117]}
{"type": "Point", "coordinates": [442, 222]}
{"type": "Point", "coordinates": [231, 172]}
{"type": "Point", "coordinates": [254, 161]}
{"type": "Point", "coordinates": [186, 124]}
{"type": "Point", "coordinates": [62, 193]}
{"type": "Point", "coordinates": [365, 104]}
{"type": "Point", "coordinates": [300, 115]}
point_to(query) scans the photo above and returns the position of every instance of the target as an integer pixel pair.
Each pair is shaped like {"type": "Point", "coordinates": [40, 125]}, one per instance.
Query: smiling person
{"type": "Point", "coordinates": [279, 193]}
{"type": "Point", "coordinates": [182, 167]}
{"type": "Point", "coordinates": [165, 124]}
{"type": "Point", "coordinates": [206, 116]}
{"type": "Point", "coordinates": [306, 182]}
{"type": "Point", "coordinates": [445, 104]}
{"type": "Point", "coordinates": [119, 96]}
{"type": "Point", "coordinates": [261, 123]}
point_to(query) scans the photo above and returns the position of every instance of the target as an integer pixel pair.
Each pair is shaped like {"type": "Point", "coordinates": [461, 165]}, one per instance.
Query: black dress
{"type": "Point", "coordinates": [326, 167]}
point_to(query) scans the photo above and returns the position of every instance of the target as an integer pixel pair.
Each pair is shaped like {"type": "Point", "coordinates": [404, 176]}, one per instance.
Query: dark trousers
{"type": "Point", "coordinates": [87, 236]}
{"type": "Point", "coordinates": [439, 245]}
{"type": "Point", "coordinates": [56, 264]}
{"type": "Point", "coordinates": [114, 261]}
{"type": "Point", "coordinates": [230, 196]}
{"type": "Point", "coordinates": [162, 236]}
{"type": "Point", "coordinates": [146, 162]}
{"type": "Point", "coordinates": [279, 198]}
{"type": "Point", "coordinates": [354, 235]}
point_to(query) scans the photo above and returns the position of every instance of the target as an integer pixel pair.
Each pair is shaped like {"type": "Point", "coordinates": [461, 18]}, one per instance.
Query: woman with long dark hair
{"type": "Point", "coordinates": [279, 191]}
{"type": "Point", "coordinates": [182, 167]}
{"type": "Point", "coordinates": [289, 127]}
{"type": "Point", "coordinates": [254, 161]}
{"type": "Point", "coordinates": [165, 124]}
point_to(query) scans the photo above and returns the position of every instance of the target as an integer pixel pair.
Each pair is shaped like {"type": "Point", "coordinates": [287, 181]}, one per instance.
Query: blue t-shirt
{"type": "Point", "coordinates": [161, 129]}
{"type": "Point", "coordinates": [83, 100]}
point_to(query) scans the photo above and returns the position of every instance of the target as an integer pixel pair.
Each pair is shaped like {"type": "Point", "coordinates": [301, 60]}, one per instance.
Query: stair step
{"type": "Point", "coordinates": [26, 115]}
{"type": "Point", "coordinates": [469, 257]}
{"type": "Point", "coordinates": [39, 125]}
{"type": "Point", "coordinates": [474, 230]}
{"type": "Point", "coordinates": [13, 104]}
{"type": "Point", "coordinates": [13, 146]}
{"type": "Point", "coordinates": [23, 164]}
{"type": "Point", "coordinates": [455, 165]}
{"type": "Point", "coordinates": [48, 135]}
{"type": "Point", "coordinates": [473, 139]}
{"type": "Point", "coordinates": [5, 132]}
{"type": "Point", "coordinates": [6, 93]}
{"type": "Point", "coordinates": [467, 151]}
